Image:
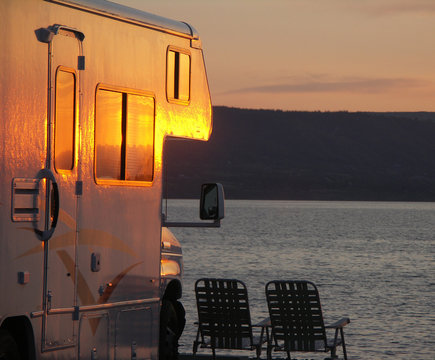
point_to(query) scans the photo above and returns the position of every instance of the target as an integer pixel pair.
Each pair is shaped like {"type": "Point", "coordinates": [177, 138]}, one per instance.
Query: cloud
{"type": "Point", "coordinates": [350, 85]}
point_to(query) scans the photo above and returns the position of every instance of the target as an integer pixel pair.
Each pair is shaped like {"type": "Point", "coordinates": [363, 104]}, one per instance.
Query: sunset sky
{"type": "Point", "coordinates": [356, 55]}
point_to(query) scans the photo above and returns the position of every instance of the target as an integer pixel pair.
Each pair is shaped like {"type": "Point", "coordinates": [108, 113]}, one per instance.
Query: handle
{"type": "Point", "coordinates": [45, 235]}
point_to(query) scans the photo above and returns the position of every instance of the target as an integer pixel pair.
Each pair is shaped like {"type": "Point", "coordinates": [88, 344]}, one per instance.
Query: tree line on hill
{"type": "Point", "coordinates": [296, 155]}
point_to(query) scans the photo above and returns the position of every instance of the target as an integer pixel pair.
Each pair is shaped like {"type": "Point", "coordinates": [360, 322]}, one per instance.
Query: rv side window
{"type": "Point", "coordinates": [124, 136]}
{"type": "Point", "coordinates": [65, 105]}
{"type": "Point", "coordinates": [139, 163]}
{"type": "Point", "coordinates": [178, 77]}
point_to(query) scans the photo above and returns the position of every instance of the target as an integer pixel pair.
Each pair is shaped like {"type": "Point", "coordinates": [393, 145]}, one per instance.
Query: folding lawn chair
{"type": "Point", "coordinates": [224, 320]}
{"type": "Point", "coordinates": [297, 321]}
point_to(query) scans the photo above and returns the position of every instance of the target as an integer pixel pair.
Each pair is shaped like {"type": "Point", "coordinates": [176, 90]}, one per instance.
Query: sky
{"type": "Point", "coordinates": [315, 55]}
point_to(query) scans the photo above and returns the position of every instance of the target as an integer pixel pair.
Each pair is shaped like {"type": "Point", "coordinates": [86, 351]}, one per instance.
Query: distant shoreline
{"type": "Point", "coordinates": [297, 155]}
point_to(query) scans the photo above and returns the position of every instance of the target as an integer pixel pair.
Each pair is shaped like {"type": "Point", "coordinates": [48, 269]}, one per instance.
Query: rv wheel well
{"type": "Point", "coordinates": [173, 290]}
{"type": "Point", "coordinates": [20, 329]}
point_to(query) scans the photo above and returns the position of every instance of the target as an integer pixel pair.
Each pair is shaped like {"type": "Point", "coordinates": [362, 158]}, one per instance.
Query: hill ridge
{"type": "Point", "coordinates": [301, 155]}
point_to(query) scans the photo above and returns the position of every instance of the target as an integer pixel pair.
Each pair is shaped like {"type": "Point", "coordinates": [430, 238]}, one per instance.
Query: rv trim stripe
{"type": "Point", "coordinates": [87, 308]}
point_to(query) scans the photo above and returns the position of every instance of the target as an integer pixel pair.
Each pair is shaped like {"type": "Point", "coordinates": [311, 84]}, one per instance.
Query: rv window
{"type": "Point", "coordinates": [124, 136]}
{"type": "Point", "coordinates": [140, 138]}
{"type": "Point", "coordinates": [108, 134]}
{"type": "Point", "coordinates": [65, 119]}
{"type": "Point", "coordinates": [178, 77]}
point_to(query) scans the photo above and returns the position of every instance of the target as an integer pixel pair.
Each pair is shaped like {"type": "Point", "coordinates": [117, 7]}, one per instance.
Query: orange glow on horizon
{"type": "Point", "coordinates": [373, 55]}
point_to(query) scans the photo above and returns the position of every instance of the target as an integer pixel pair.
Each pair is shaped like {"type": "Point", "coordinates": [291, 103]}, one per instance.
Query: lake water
{"type": "Point", "coordinates": [373, 262]}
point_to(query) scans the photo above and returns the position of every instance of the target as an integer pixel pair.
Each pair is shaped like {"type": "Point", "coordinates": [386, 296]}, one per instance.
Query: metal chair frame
{"type": "Point", "coordinates": [297, 321]}
{"type": "Point", "coordinates": [224, 320]}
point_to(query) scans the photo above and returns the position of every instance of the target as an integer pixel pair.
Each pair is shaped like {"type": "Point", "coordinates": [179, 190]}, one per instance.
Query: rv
{"type": "Point", "coordinates": [89, 93]}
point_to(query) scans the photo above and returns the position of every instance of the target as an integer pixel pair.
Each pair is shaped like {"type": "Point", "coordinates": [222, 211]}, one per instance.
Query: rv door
{"type": "Point", "coordinates": [65, 59]}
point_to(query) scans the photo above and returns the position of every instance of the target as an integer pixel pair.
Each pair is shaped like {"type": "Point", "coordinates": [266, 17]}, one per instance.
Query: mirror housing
{"type": "Point", "coordinates": [212, 202]}
{"type": "Point", "coordinates": [211, 207]}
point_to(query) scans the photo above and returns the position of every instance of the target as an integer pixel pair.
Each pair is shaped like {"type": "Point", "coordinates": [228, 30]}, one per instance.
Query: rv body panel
{"type": "Point", "coordinates": [89, 285]}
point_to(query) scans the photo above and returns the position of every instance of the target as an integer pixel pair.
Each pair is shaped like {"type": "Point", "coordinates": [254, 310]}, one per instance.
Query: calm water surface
{"type": "Point", "coordinates": [372, 262]}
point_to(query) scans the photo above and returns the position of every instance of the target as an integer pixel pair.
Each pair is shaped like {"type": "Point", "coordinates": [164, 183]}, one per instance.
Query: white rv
{"type": "Point", "coordinates": [89, 91]}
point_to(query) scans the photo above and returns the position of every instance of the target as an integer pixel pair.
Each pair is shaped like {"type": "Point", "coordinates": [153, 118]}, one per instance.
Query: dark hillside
{"type": "Point", "coordinates": [264, 154]}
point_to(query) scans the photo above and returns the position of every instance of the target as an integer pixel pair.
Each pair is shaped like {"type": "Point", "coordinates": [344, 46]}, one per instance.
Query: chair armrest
{"type": "Point", "coordinates": [263, 323]}
{"type": "Point", "coordinates": [338, 324]}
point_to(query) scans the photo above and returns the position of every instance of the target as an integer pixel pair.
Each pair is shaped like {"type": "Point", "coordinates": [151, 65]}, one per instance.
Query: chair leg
{"type": "Point", "coordinates": [269, 352]}
{"type": "Point", "coordinates": [196, 342]}
{"type": "Point", "coordinates": [288, 355]}
{"type": "Point", "coordinates": [258, 351]}
{"type": "Point", "coordinates": [214, 353]}
{"type": "Point", "coordinates": [334, 349]}
{"type": "Point", "coordinates": [258, 347]}
{"type": "Point", "coordinates": [195, 347]}
{"type": "Point", "coordinates": [343, 344]}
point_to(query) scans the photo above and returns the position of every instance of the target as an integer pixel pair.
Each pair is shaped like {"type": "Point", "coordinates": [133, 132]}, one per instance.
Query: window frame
{"type": "Point", "coordinates": [171, 99]}
{"type": "Point", "coordinates": [74, 142]}
{"type": "Point", "coordinates": [124, 91]}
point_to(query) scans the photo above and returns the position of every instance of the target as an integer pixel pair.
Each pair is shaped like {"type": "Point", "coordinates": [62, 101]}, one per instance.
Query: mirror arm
{"type": "Point", "coordinates": [214, 224]}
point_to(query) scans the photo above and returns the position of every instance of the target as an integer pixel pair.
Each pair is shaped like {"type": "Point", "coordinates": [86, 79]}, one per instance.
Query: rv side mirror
{"type": "Point", "coordinates": [211, 208]}
{"type": "Point", "coordinates": [212, 202]}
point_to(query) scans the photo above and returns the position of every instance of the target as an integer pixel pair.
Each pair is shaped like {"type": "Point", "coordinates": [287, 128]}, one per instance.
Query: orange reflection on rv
{"type": "Point", "coordinates": [108, 135]}
{"type": "Point", "coordinates": [65, 119]}
{"type": "Point", "coordinates": [193, 122]}
{"type": "Point", "coordinates": [139, 138]}
{"type": "Point", "coordinates": [124, 135]}
{"type": "Point", "coordinates": [169, 267]}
